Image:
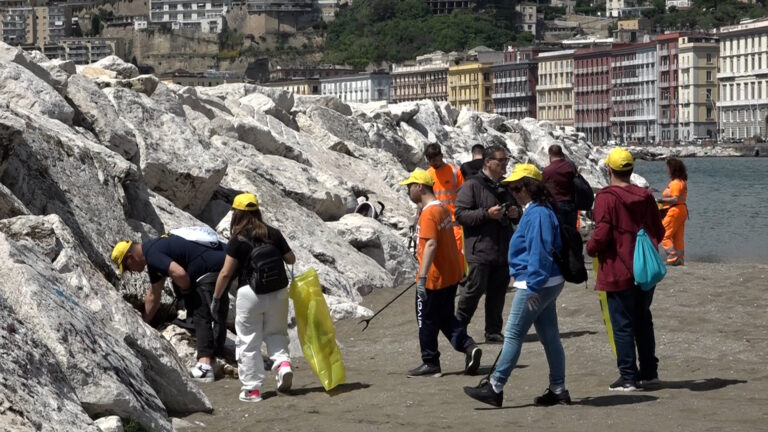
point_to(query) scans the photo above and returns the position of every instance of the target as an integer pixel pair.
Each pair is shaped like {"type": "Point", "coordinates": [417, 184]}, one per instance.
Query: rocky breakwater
{"type": "Point", "coordinates": [90, 155]}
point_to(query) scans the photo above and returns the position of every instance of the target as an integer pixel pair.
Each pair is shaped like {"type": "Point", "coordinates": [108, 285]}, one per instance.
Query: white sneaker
{"type": "Point", "coordinates": [250, 395]}
{"type": "Point", "coordinates": [284, 377]}
{"type": "Point", "coordinates": [202, 374]}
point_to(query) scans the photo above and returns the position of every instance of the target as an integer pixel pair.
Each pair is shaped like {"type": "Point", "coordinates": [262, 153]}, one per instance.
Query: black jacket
{"type": "Point", "coordinates": [486, 241]}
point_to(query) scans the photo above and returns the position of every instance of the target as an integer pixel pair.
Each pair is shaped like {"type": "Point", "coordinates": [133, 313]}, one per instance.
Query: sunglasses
{"type": "Point", "coordinates": [501, 160]}
{"type": "Point", "coordinates": [516, 188]}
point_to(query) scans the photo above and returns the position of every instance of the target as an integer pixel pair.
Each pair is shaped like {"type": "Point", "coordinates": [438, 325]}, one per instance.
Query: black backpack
{"type": "Point", "coordinates": [583, 197]}
{"type": "Point", "coordinates": [265, 270]}
{"type": "Point", "coordinates": [571, 256]}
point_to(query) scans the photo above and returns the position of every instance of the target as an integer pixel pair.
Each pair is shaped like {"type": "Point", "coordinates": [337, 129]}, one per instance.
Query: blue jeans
{"type": "Point", "coordinates": [544, 319]}
{"type": "Point", "coordinates": [630, 313]}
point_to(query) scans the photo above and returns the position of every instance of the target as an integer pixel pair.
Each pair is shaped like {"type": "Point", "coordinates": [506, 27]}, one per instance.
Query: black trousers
{"type": "Point", "coordinates": [491, 280]}
{"type": "Point", "coordinates": [210, 335]}
{"type": "Point", "coordinates": [434, 314]}
{"type": "Point", "coordinates": [566, 213]}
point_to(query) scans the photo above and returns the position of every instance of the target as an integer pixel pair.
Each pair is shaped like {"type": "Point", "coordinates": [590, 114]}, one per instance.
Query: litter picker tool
{"type": "Point", "coordinates": [368, 320]}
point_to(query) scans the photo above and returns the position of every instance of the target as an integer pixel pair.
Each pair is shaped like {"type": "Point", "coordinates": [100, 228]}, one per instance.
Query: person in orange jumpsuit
{"type": "Point", "coordinates": [673, 203]}
{"type": "Point", "coordinates": [448, 178]}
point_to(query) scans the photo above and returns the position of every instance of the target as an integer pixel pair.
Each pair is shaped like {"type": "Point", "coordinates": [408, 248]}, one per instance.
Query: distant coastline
{"type": "Point", "coordinates": [654, 153]}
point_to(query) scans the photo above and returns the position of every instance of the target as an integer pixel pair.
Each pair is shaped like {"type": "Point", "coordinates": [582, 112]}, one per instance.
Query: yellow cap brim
{"type": "Point", "coordinates": [513, 177]}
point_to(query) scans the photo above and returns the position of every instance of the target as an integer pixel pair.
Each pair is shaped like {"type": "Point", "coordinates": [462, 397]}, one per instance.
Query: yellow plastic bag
{"type": "Point", "coordinates": [316, 332]}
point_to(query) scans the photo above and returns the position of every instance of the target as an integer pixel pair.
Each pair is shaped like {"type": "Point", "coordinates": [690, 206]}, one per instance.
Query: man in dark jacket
{"type": "Point", "coordinates": [485, 209]}
{"type": "Point", "coordinates": [468, 169]}
{"type": "Point", "coordinates": [558, 176]}
{"type": "Point", "coordinates": [621, 210]}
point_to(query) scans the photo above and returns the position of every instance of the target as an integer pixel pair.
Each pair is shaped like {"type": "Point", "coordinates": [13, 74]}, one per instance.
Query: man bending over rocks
{"type": "Point", "coordinates": [193, 269]}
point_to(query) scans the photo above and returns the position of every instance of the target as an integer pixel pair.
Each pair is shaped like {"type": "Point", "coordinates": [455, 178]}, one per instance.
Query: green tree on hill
{"type": "Point", "coordinates": [396, 30]}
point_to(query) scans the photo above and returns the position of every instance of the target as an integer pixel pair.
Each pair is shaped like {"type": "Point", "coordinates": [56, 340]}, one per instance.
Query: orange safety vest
{"type": "Point", "coordinates": [447, 180]}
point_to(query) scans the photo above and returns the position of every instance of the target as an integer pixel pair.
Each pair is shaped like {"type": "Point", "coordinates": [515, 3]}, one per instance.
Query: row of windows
{"type": "Point", "coordinates": [410, 78]}
{"type": "Point", "coordinates": [742, 63]}
{"type": "Point", "coordinates": [554, 79]}
{"type": "Point", "coordinates": [740, 91]}
{"type": "Point", "coordinates": [751, 115]}
{"type": "Point", "coordinates": [556, 66]}
{"type": "Point", "coordinates": [557, 96]}
{"type": "Point", "coordinates": [744, 43]}
{"type": "Point", "coordinates": [513, 73]}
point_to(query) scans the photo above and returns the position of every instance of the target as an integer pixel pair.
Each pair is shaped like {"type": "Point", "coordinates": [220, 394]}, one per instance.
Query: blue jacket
{"type": "Point", "coordinates": [531, 248]}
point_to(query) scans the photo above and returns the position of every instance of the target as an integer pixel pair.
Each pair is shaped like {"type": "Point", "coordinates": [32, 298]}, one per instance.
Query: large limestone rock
{"type": "Point", "coordinates": [174, 160]}
{"type": "Point", "coordinates": [96, 113]}
{"type": "Point", "coordinates": [113, 361]}
{"type": "Point", "coordinates": [35, 393]}
{"type": "Point", "coordinates": [23, 90]}
{"type": "Point", "coordinates": [52, 169]}
{"type": "Point", "coordinates": [389, 250]}
{"type": "Point", "coordinates": [304, 102]}
{"type": "Point", "coordinates": [117, 65]}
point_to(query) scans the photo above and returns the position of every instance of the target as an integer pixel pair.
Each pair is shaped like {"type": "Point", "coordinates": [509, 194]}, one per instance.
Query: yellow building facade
{"type": "Point", "coordinates": [698, 94]}
{"type": "Point", "coordinates": [471, 85]}
{"type": "Point", "coordinates": [554, 90]}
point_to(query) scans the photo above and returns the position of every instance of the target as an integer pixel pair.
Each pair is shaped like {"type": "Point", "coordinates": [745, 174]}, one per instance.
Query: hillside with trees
{"type": "Point", "coordinates": [704, 15]}
{"type": "Point", "coordinates": [394, 30]}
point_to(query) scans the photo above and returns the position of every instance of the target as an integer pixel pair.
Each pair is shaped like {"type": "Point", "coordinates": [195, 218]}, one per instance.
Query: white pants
{"type": "Point", "coordinates": [260, 318]}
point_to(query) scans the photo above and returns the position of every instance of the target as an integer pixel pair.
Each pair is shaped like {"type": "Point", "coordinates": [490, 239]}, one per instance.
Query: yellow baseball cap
{"type": "Point", "coordinates": [419, 176]}
{"type": "Point", "coordinates": [245, 202]}
{"type": "Point", "coordinates": [620, 159]}
{"type": "Point", "coordinates": [118, 253]}
{"type": "Point", "coordinates": [523, 170]}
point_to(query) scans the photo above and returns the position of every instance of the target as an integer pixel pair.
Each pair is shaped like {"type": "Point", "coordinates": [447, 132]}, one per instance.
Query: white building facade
{"type": "Point", "coordinates": [743, 79]}
{"type": "Point", "coordinates": [206, 17]}
{"type": "Point", "coordinates": [360, 88]}
{"type": "Point", "coordinates": [634, 90]}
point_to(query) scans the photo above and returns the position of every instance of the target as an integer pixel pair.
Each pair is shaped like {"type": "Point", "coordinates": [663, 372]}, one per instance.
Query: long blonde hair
{"type": "Point", "coordinates": [249, 224]}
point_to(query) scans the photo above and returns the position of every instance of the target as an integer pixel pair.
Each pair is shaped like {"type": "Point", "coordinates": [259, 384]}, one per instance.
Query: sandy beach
{"type": "Point", "coordinates": [712, 342]}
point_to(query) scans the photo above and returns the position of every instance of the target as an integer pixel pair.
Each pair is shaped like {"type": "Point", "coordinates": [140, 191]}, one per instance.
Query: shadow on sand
{"type": "Point", "coordinates": [615, 400]}
{"type": "Point", "coordinates": [705, 384]}
{"type": "Point", "coordinates": [567, 335]}
{"type": "Point", "coordinates": [340, 389]}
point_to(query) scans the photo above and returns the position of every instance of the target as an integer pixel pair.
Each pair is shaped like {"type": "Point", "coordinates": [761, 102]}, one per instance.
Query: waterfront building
{"type": "Point", "coordinates": [322, 71]}
{"type": "Point", "coordinates": [361, 88]}
{"type": "Point", "coordinates": [441, 7]}
{"type": "Point", "coordinates": [592, 93]}
{"type": "Point", "coordinates": [514, 84]}
{"type": "Point", "coordinates": [18, 26]}
{"type": "Point", "coordinates": [209, 78]}
{"type": "Point", "coordinates": [625, 8]}
{"type": "Point", "coordinates": [301, 86]}
{"type": "Point", "coordinates": [554, 87]}
{"type": "Point", "coordinates": [83, 51]}
{"type": "Point", "coordinates": [425, 78]}
{"type": "Point", "coordinates": [260, 6]}
{"type": "Point", "coordinates": [667, 114]}
{"type": "Point", "coordinates": [526, 18]}
{"type": "Point", "coordinates": [205, 17]}
{"type": "Point", "coordinates": [633, 93]}
{"type": "Point", "coordinates": [743, 79]}
{"type": "Point", "coordinates": [471, 85]}
{"type": "Point", "coordinates": [698, 92]}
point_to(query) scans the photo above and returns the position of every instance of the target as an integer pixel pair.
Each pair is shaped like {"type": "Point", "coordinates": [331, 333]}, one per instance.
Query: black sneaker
{"type": "Point", "coordinates": [472, 361]}
{"type": "Point", "coordinates": [485, 394]}
{"type": "Point", "coordinates": [652, 383]}
{"type": "Point", "coordinates": [494, 338]}
{"type": "Point", "coordinates": [623, 384]}
{"type": "Point", "coordinates": [550, 398]}
{"type": "Point", "coordinates": [426, 370]}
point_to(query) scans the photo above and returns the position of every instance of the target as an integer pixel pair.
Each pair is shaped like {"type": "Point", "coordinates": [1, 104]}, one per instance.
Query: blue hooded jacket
{"type": "Point", "coordinates": [531, 248]}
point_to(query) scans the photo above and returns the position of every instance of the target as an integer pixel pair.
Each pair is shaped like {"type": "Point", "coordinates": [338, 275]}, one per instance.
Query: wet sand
{"type": "Point", "coordinates": [712, 342]}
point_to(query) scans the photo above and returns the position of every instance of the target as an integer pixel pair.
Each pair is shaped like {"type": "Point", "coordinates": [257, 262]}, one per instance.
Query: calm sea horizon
{"type": "Point", "coordinates": [728, 205]}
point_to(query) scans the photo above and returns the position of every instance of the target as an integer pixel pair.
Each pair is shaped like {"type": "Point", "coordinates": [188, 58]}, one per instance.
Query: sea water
{"type": "Point", "coordinates": [728, 206]}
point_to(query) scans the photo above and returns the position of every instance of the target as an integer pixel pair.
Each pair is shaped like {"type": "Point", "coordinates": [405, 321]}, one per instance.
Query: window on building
{"type": "Point", "coordinates": [709, 58]}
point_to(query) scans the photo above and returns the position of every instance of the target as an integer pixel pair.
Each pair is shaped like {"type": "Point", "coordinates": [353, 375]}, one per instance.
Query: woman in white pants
{"type": "Point", "coordinates": [262, 302]}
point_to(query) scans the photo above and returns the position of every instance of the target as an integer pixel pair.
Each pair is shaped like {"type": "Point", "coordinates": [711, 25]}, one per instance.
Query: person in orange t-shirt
{"type": "Point", "coordinates": [673, 202]}
{"type": "Point", "coordinates": [440, 270]}
{"type": "Point", "coordinates": [447, 180]}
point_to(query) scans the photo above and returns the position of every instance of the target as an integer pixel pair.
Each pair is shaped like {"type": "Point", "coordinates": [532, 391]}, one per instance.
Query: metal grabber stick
{"type": "Point", "coordinates": [368, 320]}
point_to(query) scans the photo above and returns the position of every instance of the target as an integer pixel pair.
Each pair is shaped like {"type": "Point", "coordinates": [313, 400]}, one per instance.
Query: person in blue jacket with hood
{"type": "Point", "coordinates": [538, 281]}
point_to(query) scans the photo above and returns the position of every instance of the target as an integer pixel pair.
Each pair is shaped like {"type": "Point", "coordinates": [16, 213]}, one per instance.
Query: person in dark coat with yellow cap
{"type": "Point", "coordinates": [193, 269]}
{"type": "Point", "coordinates": [538, 282]}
